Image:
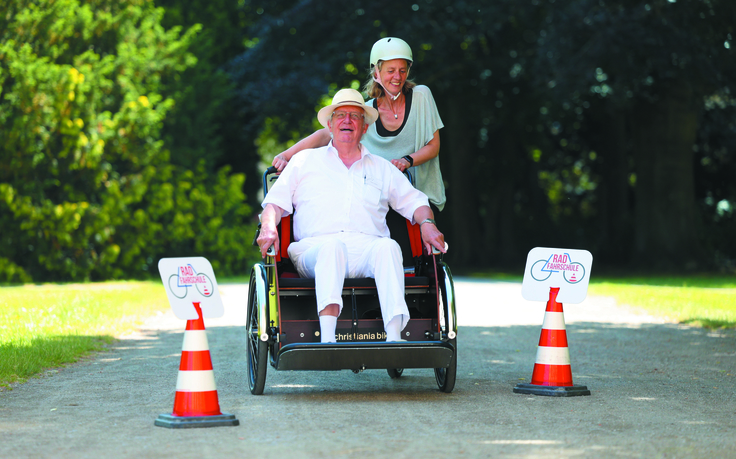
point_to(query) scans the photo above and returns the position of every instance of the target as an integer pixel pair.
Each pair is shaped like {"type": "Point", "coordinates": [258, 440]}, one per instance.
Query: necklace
{"type": "Point", "coordinates": [391, 106]}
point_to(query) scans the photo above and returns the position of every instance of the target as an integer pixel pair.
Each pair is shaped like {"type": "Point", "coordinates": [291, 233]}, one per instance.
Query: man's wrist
{"type": "Point", "coordinates": [409, 160]}
{"type": "Point", "coordinates": [428, 220]}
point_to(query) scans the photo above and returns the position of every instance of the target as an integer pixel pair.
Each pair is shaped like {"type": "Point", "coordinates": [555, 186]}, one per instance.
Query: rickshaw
{"type": "Point", "coordinates": [282, 328]}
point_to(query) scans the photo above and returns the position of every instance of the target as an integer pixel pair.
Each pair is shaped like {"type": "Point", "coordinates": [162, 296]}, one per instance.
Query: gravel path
{"type": "Point", "coordinates": [658, 390]}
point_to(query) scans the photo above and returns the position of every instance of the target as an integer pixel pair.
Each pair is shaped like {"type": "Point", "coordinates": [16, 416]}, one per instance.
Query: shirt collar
{"type": "Point", "coordinates": [363, 150]}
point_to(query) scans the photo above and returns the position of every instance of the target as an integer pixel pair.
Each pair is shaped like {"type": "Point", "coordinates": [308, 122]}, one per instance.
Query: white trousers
{"type": "Point", "coordinates": [331, 258]}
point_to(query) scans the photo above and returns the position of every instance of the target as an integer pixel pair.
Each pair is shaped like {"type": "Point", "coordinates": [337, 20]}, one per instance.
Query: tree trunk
{"type": "Point", "coordinates": [502, 170]}
{"type": "Point", "coordinates": [664, 133]}
{"type": "Point", "coordinates": [614, 209]}
{"type": "Point", "coordinates": [458, 158]}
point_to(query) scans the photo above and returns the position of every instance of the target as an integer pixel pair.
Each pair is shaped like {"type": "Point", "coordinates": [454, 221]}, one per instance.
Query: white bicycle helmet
{"type": "Point", "coordinates": [389, 48]}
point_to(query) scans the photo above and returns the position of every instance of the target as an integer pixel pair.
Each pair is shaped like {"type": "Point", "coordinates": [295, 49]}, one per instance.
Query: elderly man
{"type": "Point", "coordinates": [339, 195]}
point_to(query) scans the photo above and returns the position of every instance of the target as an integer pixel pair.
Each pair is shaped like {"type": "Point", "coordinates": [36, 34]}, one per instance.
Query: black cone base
{"type": "Point", "coordinates": [552, 391]}
{"type": "Point", "coordinates": [188, 422]}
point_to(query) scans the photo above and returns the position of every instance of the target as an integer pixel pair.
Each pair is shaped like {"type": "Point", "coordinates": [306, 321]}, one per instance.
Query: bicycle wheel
{"type": "Point", "coordinates": [446, 376]}
{"type": "Point", "coordinates": [537, 273]}
{"type": "Point", "coordinates": [573, 277]}
{"type": "Point", "coordinates": [206, 289]}
{"type": "Point", "coordinates": [395, 372]}
{"type": "Point", "coordinates": [257, 350]}
{"type": "Point", "coordinates": [179, 291]}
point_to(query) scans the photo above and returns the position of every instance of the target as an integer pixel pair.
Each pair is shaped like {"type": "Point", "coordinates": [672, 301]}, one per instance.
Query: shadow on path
{"type": "Point", "coordinates": [655, 388]}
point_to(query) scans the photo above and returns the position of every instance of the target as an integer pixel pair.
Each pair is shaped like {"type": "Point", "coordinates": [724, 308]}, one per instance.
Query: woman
{"type": "Point", "coordinates": [407, 130]}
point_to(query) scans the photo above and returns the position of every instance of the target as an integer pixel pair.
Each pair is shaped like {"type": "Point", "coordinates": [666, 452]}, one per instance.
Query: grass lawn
{"type": "Point", "coordinates": [705, 301]}
{"type": "Point", "coordinates": [47, 326]}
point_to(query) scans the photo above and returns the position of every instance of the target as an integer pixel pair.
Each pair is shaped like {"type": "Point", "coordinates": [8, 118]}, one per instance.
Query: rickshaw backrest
{"type": "Point", "coordinates": [285, 237]}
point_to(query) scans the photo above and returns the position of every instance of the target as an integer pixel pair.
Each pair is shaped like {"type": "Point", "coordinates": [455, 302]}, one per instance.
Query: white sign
{"type": "Point", "coordinates": [568, 269]}
{"type": "Point", "coordinates": [191, 280]}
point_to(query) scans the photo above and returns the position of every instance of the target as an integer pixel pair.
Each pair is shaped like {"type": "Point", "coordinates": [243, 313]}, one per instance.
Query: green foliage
{"type": "Point", "coordinates": [11, 273]}
{"type": "Point", "coordinates": [87, 189]}
{"type": "Point", "coordinates": [206, 122]}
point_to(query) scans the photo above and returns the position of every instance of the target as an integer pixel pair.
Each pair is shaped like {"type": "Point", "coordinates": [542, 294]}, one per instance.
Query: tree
{"type": "Point", "coordinates": [284, 78]}
{"type": "Point", "coordinates": [647, 68]}
{"type": "Point", "coordinates": [561, 116]}
{"type": "Point", "coordinates": [87, 190]}
{"type": "Point", "coordinates": [206, 121]}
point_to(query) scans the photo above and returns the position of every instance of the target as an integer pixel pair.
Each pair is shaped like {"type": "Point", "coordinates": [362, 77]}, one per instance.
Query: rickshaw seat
{"type": "Point", "coordinates": [300, 285]}
{"type": "Point", "coordinates": [406, 234]}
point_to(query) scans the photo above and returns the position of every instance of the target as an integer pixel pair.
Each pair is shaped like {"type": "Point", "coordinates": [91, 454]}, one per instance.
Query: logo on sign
{"type": "Point", "coordinates": [573, 272]}
{"type": "Point", "coordinates": [566, 269]}
{"type": "Point", "coordinates": [190, 280]}
{"type": "Point", "coordinates": [186, 277]}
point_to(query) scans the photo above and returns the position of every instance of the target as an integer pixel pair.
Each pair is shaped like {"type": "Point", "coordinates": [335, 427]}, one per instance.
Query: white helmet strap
{"type": "Point", "coordinates": [393, 97]}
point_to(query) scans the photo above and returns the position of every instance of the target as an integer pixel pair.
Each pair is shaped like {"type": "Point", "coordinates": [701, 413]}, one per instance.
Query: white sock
{"type": "Point", "coordinates": [327, 326]}
{"type": "Point", "coordinates": [393, 329]}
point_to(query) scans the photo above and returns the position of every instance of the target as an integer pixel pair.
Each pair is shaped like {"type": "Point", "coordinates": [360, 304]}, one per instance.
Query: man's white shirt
{"type": "Point", "coordinates": [326, 197]}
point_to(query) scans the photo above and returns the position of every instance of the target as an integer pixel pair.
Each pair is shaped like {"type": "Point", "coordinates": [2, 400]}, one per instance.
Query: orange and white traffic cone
{"type": "Point", "coordinates": [552, 373]}
{"type": "Point", "coordinates": [196, 403]}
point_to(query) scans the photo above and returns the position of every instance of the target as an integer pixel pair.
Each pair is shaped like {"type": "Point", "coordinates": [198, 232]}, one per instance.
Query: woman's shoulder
{"type": "Point", "coordinates": [422, 90]}
{"type": "Point", "coordinates": [423, 95]}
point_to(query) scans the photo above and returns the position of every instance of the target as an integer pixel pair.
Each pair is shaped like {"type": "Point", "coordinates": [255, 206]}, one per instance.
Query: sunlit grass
{"type": "Point", "coordinates": [696, 281]}
{"type": "Point", "coordinates": [701, 302]}
{"type": "Point", "coordinates": [51, 325]}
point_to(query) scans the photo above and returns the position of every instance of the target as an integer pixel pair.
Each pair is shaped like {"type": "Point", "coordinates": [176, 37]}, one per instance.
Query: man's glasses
{"type": "Point", "coordinates": [342, 115]}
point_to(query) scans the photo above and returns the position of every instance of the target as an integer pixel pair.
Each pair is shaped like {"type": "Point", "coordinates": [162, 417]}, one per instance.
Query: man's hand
{"type": "Point", "coordinates": [269, 235]}
{"type": "Point", "coordinates": [267, 238]}
{"type": "Point", "coordinates": [431, 237]}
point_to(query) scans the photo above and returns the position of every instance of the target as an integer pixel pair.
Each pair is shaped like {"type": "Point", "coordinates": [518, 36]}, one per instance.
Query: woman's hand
{"type": "Point", "coordinates": [280, 161]}
{"type": "Point", "coordinates": [316, 139]}
{"type": "Point", "coordinates": [401, 164]}
{"type": "Point", "coordinates": [421, 156]}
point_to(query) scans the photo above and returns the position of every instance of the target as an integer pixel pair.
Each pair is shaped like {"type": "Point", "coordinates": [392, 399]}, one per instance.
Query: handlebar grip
{"type": "Point", "coordinates": [435, 251]}
{"type": "Point", "coordinates": [271, 252]}
{"type": "Point", "coordinates": [271, 170]}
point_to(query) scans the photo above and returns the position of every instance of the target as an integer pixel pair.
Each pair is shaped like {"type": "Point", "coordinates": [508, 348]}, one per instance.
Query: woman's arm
{"type": "Point", "coordinates": [421, 156]}
{"type": "Point", "coordinates": [314, 140]}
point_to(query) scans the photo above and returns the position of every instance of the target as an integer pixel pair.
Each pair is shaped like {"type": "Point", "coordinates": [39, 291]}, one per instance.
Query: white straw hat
{"type": "Point", "coordinates": [347, 97]}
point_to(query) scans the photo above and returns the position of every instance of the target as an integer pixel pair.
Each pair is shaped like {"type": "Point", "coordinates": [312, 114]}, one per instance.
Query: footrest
{"type": "Point", "coordinates": [365, 356]}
